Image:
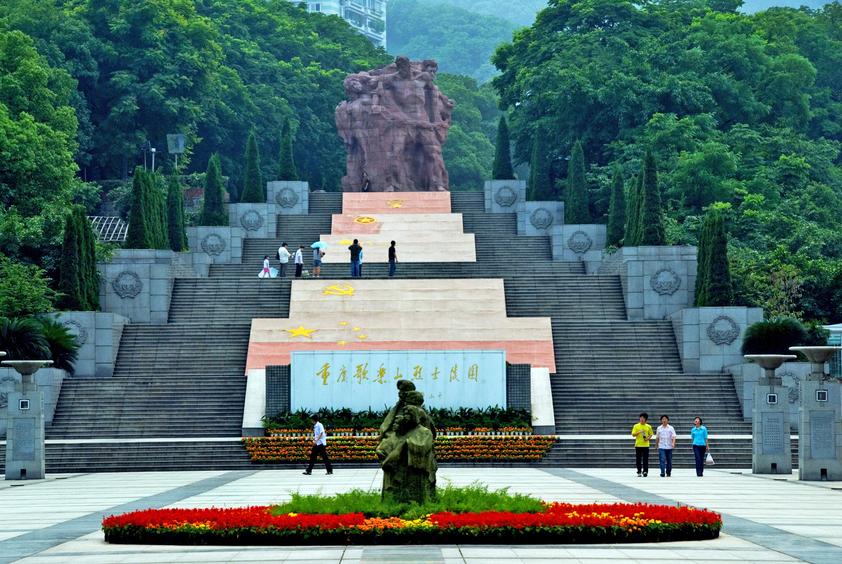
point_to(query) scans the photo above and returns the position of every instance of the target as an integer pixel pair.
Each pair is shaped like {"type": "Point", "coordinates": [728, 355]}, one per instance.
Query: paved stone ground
{"type": "Point", "coordinates": [766, 519]}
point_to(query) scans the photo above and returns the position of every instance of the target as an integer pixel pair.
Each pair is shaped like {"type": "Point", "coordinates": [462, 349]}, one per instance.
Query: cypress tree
{"type": "Point", "coordinates": [540, 185]}
{"type": "Point", "coordinates": [617, 211]}
{"type": "Point", "coordinates": [502, 168]}
{"type": "Point", "coordinates": [162, 236]}
{"type": "Point", "coordinates": [576, 197]}
{"type": "Point", "coordinates": [651, 215]}
{"type": "Point", "coordinates": [213, 210]}
{"type": "Point", "coordinates": [175, 215]}
{"type": "Point", "coordinates": [717, 289]}
{"type": "Point", "coordinates": [70, 266]}
{"type": "Point", "coordinates": [252, 186]}
{"type": "Point", "coordinates": [703, 258]}
{"type": "Point", "coordinates": [633, 213]}
{"type": "Point", "coordinates": [137, 235]}
{"type": "Point", "coordinates": [286, 166]}
{"type": "Point", "coordinates": [89, 277]}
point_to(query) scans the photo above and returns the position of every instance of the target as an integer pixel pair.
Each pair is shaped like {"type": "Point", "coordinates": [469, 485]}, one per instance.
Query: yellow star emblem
{"type": "Point", "coordinates": [342, 343]}
{"type": "Point", "coordinates": [362, 337]}
{"type": "Point", "coordinates": [346, 242]}
{"type": "Point", "coordinates": [356, 328]}
{"type": "Point", "coordinates": [343, 323]}
{"type": "Point", "coordinates": [339, 290]}
{"type": "Point", "coordinates": [301, 332]}
{"type": "Point", "coordinates": [365, 219]}
{"type": "Point", "coordinates": [394, 204]}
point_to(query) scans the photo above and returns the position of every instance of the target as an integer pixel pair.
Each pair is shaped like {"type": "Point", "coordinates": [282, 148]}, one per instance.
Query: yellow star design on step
{"type": "Point", "coordinates": [342, 343]}
{"type": "Point", "coordinates": [362, 337]}
{"type": "Point", "coordinates": [339, 290]}
{"type": "Point", "coordinates": [343, 323]}
{"type": "Point", "coordinates": [365, 219]}
{"type": "Point", "coordinates": [394, 204]}
{"type": "Point", "coordinates": [356, 328]}
{"type": "Point", "coordinates": [301, 331]}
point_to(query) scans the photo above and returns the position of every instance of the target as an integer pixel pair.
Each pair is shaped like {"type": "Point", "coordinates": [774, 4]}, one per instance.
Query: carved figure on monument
{"type": "Point", "coordinates": [394, 124]}
{"type": "Point", "coordinates": [406, 450]}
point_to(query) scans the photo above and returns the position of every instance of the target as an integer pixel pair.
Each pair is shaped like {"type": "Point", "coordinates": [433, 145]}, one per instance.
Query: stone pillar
{"type": "Point", "coordinates": [25, 455]}
{"type": "Point", "coordinates": [579, 243]}
{"type": "Point", "coordinates": [257, 220]}
{"type": "Point", "coordinates": [222, 244]}
{"type": "Point", "coordinates": [539, 218]}
{"type": "Point", "coordinates": [771, 450]}
{"type": "Point", "coordinates": [504, 196]}
{"type": "Point", "coordinates": [288, 197]}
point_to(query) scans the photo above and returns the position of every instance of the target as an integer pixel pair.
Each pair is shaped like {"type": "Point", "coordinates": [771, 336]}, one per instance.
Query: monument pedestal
{"type": "Point", "coordinates": [820, 433]}
{"type": "Point", "coordinates": [25, 435]}
{"type": "Point", "coordinates": [771, 451]}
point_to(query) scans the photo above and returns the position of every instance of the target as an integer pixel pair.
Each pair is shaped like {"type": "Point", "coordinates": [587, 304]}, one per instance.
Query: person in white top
{"type": "Point", "coordinates": [666, 444]}
{"type": "Point", "coordinates": [283, 258]}
{"type": "Point", "coordinates": [299, 261]}
{"type": "Point", "coordinates": [265, 273]}
{"type": "Point", "coordinates": [319, 446]}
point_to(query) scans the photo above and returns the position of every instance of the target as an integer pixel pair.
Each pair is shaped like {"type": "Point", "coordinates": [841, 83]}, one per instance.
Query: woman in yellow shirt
{"type": "Point", "coordinates": [642, 433]}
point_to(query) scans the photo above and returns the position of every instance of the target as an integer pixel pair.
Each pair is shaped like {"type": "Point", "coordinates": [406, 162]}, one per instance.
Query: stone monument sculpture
{"type": "Point", "coordinates": [770, 447]}
{"type": "Point", "coordinates": [394, 124]}
{"type": "Point", "coordinates": [406, 450]}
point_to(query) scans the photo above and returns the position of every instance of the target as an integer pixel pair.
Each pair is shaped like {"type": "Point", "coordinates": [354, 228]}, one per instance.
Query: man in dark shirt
{"type": "Point", "coordinates": [393, 259]}
{"type": "Point", "coordinates": [355, 249]}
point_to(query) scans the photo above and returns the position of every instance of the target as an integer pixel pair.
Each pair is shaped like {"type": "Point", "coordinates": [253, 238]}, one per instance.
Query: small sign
{"type": "Point", "coordinates": [24, 405]}
{"type": "Point", "coordinates": [772, 399]}
{"type": "Point", "coordinates": [821, 395]}
{"type": "Point", "coordinates": [176, 143]}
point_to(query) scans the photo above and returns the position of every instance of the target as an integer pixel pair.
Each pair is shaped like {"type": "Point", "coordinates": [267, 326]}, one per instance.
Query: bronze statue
{"type": "Point", "coordinates": [394, 124]}
{"type": "Point", "coordinates": [406, 450]}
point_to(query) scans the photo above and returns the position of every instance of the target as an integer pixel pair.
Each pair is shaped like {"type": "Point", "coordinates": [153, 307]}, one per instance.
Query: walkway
{"type": "Point", "coordinates": [767, 519]}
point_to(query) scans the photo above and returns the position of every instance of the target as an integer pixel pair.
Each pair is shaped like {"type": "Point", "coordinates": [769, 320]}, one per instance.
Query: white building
{"type": "Point", "coordinates": [366, 16]}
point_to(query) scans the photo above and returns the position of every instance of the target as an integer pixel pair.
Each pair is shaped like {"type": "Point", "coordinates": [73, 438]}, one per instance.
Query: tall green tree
{"type": "Point", "coordinates": [502, 168]}
{"type": "Point", "coordinates": [138, 235]}
{"type": "Point", "coordinates": [213, 208]}
{"type": "Point", "coordinates": [286, 164]}
{"type": "Point", "coordinates": [616, 230]}
{"type": "Point", "coordinates": [175, 215]}
{"type": "Point", "coordinates": [715, 288]}
{"type": "Point", "coordinates": [252, 186]}
{"type": "Point", "coordinates": [158, 190]}
{"type": "Point", "coordinates": [89, 273]}
{"type": "Point", "coordinates": [576, 206]}
{"type": "Point", "coordinates": [540, 186]}
{"type": "Point", "coordinates": [70, 268]}
{"type": "Point", "coordinates": [651, 230]}
{"type": "Point", "coordinates": [635, 198]}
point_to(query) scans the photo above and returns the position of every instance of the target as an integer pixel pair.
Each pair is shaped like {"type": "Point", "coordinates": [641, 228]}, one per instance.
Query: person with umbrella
{"type": "Point", "coordinates": [318, 254]}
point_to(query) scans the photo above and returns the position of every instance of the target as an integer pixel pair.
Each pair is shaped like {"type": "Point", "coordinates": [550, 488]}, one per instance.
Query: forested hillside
{"type": "Point", "coordinates": [742, 112]}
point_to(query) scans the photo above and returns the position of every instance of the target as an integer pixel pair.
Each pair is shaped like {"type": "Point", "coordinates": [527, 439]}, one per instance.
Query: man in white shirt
{"type": "Point", "coordinates": [666, 444]}
{"type": "Point", "coordinates": [283, 258]}
{"type": "Point", "coordinates": [319, 446]}
{"type": "Point", "coordinates": [299, 261]}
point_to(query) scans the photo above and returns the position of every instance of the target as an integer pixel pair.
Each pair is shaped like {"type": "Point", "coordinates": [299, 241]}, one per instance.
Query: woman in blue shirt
{"type": "Point", "coordinates": [699, 435]}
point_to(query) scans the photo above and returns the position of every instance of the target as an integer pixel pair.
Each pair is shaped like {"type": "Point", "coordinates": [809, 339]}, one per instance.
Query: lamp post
{"type": "Point", "coordinates": [771, 452]}
{"type": "Point", "coordinates": [152, 150]}
{"type": "Point", "coordinates": [25, 424]}
{"type": "Point", "coordinates": [820, 413]}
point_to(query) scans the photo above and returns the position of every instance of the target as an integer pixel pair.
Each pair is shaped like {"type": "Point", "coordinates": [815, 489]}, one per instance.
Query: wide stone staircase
{"type": "Point", "coordinates": [183, 383]}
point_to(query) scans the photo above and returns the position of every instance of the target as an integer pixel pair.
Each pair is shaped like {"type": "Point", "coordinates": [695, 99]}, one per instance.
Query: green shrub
{"type": "Point", "coordinates": [23, 339]}
{"type": "Point", "coordinates": [473, 498]}
{"type": "Point", "coordinates": [24, 289]}
{"type": "Point", "coordinates": [64, 349]}
{"type": "Point", "coordinates": [774, 336]}
{"type": "Point", "coordinates": [467, 418]}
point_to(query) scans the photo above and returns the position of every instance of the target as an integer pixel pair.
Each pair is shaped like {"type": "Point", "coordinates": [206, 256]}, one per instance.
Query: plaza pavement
{"type": "Point", "coordinates": [767, 519]}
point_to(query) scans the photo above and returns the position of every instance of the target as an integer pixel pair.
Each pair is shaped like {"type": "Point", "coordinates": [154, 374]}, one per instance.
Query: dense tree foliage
{"type": "Point", "coordinates": [469, 151]}
{"type": "Point", "coordinates": [502, 167]}
{"type": "Point", "coordinates": [286, 159]}
{"type": "Point", "coordinates": [744, 110]}
{"type": "Point", "coordinates": [148, 221]}
{"type": "Point", "coordinates": [207, 68]}
{"type": "Point", "coordinates": [520, 12]}
{"type": "Point", "coordinates": [713, 281]}
{"type": "Point", "coordinates": [24, 289]}
{"type": "Point", "coordinates": [460, 40]}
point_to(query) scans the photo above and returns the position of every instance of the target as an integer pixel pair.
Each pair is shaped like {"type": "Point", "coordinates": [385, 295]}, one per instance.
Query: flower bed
{"type": "Point", "coordinates": [558, 523]}
{"type": "Point", "coordinates": [361, 449]}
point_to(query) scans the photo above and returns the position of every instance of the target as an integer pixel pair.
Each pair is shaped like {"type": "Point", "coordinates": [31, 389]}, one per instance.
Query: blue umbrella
{"type": "Point", "coordinates": [319, 245]}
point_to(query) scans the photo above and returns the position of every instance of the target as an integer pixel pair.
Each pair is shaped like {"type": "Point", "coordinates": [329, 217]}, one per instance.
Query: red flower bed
{"type": "Point", "coordinates": [558, 523]}
{"type": "Point", "coordinates": [361, 449]}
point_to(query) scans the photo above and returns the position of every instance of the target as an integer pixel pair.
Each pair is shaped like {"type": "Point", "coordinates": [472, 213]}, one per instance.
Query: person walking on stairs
{"type": "Point", "coordinates": [701, 445]}
{"type": "Point", "coordinates": [393, 259]}
{"type": "Point", "coordinates": [318, 254]}
{"type": "Point", "coordinates": [666, 444]}
{"type": "Point", "coordinates": [283, 259]}
{"type": "Point", "coordinates": [266, 272]}
{"type": "Point", "coordinates": [355, 250]}
{"type": "Point", "coordinates": [299, 261]}
{"type": "Point", "coordinates": [642, 433]}
{"type": "Point", "coordinates": [319, 446]}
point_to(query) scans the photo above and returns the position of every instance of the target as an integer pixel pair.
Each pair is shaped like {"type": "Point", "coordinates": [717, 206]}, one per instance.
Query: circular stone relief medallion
{"type": "Point", "coordinates": [665, 282]}
{"type": "Point", "coordinates": [505, 197]}
{"type": "Point", "coordinates": [723, 330]}
{"type": "Point", "coordinates": [213, 244]}
{"type": "Point", "coordinates": [580, 242]}
{"type": "Point", "coordinates": [286, 198]}
{"type": "Point", "coordinates": [251, 220]}
{"type": "Point", "coordinates": [77, 331]}
{"type": "Point", "coordinates": [127, 284]}
{"type": "Point", "coordinates": [542, 218]}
